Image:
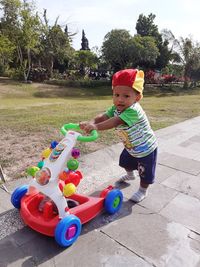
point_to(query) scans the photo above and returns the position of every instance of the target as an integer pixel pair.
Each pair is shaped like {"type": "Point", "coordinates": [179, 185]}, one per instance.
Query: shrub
{"type": "Point", "coordinates": [38, 74]}
{"type": "Point", "coordinates": [169, 78]}
{"type": "Point", "coordinates": [79, 83]}
{"type": "Point", "coordinates": [150, 76]}
{"type": "Point", "coordinates": [2, 69]}
{"type": "Point", "coordinates": [16, 74]}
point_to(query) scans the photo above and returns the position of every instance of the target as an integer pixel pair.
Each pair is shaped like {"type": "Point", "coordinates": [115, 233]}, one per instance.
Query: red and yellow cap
{"type": "Point", "coordinates": [133, 78]}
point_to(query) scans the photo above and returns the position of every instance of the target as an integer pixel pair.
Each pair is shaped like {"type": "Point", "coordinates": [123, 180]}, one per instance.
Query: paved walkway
{"type": "Point", "coordinates": [163, 230]}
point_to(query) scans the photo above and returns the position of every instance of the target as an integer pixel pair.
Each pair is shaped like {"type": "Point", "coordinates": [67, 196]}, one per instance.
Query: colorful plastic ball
{"type": "Point", "coordinates": [40, 164]}
{"type": "Point", "coordinates": [75, 152]}
{"type": "Point", "coordinates": [32, 170]}
{"type": "Point", "coordinates": [46, 153]}
{"type": "Point", "coordinates": [74, 178]}
{"type": "Point", "coordinates": [63, 176]}
{"type": "Point", "coordinates": [54, 144]}
{"type": "Point", "coordinates": [69, 189]}
{"type": "Point", "coordinates": [72, 164]}
{"type": "Point", "coordinates": [79, 174]}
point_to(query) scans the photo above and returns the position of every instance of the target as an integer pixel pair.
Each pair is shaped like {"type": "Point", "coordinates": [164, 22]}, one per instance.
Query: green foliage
{"type": "Point", "coordinates": [55, 45]}
{"type": "Point", "coordinates": [117, 48]}
{"type": "Point", "coordinates": [16, 74]}
{"type": "Point", "coordinates": [2, 69]}
{"type": "Point", "coordinates": [20, 24]}
{"type": "Point", "coordinates": [27, 40]}
{"type": "Point", "coordinates": [145, 51]}
{"type": "Point", "coordinates": [188, 58]}
{"type": "Point", "coordinates": [84, 60]}
{"type": "Point", "coordinates": [6, 51]}
{"type": "Point", "coordinates": [175, 69]}
{"type": "Point", "coordinates": [122, 50]}
{"type": "Point", "coordinates": [31, 40]}
{"type": "Point", "coordinates": [145, 27]}
{"type": "Point", "coordinates": [164, 57]}
{"type": "Point", "coordinates": [9, 20]}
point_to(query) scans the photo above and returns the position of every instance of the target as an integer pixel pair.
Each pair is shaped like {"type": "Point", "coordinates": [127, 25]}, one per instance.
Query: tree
{"type": "Point", "coordinates": [84, 60]}
{"type": "Point", "coordinates": [187, 54]}
{"type": "Point", "coordinates": [144, 52]}
{"type": "Point", "coordinates": [190, 57]}
{"type": "Point", "coordinates": [6, 51]}
{"type": "Point", "coordinates": [122, 50]}
{"type": "Point", "coordinates": [29, 37]}
{"type": "Point", "coordinates": [34, 40]}
{"type": "Point", "coordinates": [9, 26]}
{"type": "Point", "coordinates": [20, 24]}
{"type": "Point", "coordinates": [9, 23]}
{"type": "Point", "coordinates": [145, 27]}
{"type": "Point", "coordinates": [116, 49]}
{"type": "Point", "coordinates": [55, 45]}
{"type": "Point", "coordinates": [169, 37]}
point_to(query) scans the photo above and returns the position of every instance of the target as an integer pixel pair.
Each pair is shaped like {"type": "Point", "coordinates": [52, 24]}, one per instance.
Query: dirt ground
{"type": "Point", "coordinates": [20, 151]}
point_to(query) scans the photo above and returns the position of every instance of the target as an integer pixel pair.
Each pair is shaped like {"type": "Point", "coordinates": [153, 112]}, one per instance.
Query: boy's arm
{"type": "Point", "coordinates": [99, 118]}
{"type": "Point", "coordinates": [104, 125]}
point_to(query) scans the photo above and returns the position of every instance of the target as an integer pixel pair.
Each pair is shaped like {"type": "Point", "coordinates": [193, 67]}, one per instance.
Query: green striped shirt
{"type": "Point", "coordinates": [136, 134]}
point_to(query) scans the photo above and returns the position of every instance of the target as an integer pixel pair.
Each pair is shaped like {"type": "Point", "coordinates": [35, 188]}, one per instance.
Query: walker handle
{"type": "Point", "coordinates": [74, 126]}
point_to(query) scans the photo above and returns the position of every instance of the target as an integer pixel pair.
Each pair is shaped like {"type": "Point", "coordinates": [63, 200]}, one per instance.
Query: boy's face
{"type": "Point", "coordinates": [124, 97]}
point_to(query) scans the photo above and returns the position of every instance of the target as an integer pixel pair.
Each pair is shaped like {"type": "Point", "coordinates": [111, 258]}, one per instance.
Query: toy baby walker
{"type": "Point", "coordinates": [49, 203]}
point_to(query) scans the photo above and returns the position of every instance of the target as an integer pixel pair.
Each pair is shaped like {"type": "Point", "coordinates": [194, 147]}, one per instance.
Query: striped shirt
{"type": "Point", "coordinates": [136, 134]}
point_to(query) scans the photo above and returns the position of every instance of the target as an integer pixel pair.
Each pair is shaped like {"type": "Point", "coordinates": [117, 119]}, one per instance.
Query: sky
{"type": "Point", "coordinates": [98, 17]}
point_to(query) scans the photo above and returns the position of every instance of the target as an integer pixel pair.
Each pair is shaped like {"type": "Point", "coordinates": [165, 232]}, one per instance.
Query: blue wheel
{"type": "Point", "coordinates": [68, 230]}
{"type": "Point", "coordinates": [113, 201]}
{"type": "Point", "coordinates": [17, 195]}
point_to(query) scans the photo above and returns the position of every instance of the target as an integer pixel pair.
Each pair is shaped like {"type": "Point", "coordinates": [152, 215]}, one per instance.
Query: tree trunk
{"type": "Point", "coordinates": [50, 67]}
{"type": "Point", "coordinates": [186, 82]}
{"type": "Point", "coordinates": [29, 64]}
{"type": "Point", "coordinates": [185, 85]}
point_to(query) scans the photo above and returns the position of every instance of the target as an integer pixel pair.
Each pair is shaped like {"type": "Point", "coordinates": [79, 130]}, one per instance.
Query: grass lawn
{"type": "Point", "coordinates": [37, 112]}
{"type": "Point", "coordinates": [29, 106]}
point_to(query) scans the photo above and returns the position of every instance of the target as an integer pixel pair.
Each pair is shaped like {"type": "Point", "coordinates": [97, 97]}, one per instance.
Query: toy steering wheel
{"type": "Point", "coordinates": [74, 126]}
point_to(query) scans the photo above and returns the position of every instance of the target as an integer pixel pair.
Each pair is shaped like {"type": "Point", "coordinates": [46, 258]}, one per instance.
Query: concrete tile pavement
{"type": "Point", "coordinates": [163, 230]}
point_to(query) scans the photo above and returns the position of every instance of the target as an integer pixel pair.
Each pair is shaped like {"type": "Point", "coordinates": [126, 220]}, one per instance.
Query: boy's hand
{"type": "Point", "coordinates": [83, 124]}
{"type": "Point", "coordinates": [87, 126]}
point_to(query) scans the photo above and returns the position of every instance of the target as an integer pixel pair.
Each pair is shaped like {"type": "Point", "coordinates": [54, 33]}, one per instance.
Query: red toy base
{"type": "Point", "coordinates": [45, 221]}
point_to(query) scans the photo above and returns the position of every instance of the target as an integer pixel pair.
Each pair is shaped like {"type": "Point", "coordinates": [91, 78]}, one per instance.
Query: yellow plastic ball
{"type": "Point", "coordinates": [46, 153]}
{"type": "Point", "coordinates": [69, 189]}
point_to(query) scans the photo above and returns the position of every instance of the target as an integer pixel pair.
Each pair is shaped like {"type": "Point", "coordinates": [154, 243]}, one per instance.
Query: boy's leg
{"type": "Point", "coordinates": [146, 169]}
{"type": "Point", "coordinates": [127, 162]}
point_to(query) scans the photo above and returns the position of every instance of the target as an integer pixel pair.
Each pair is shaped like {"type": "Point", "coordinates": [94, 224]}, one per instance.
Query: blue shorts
{"type": "Point", "coordinates": [146, 166]}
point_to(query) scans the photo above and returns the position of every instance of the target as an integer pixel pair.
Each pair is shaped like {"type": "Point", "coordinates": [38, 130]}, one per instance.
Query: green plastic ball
{"type": "Point", "coordinates": [32, 170]}
{"type": "Point", "coordinates": [72, 164]}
